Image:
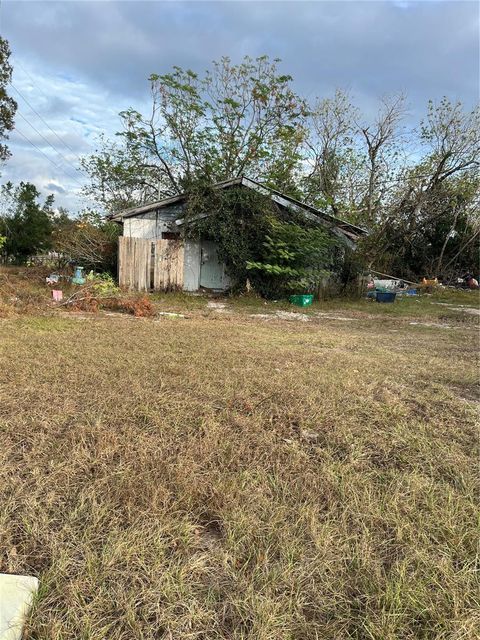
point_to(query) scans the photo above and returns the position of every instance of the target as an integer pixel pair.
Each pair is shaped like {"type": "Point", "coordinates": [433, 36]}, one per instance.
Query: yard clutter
{"type": "Point", "coordinates": [388, 288]}
{"type": "Point", "coordinates": [97, 291]}
{"type": "Point", "coordinates": [471, 282]}
{"type": "Point", "coordinates": [301, 300]}
{"type": "Point", "coordinates": [385, 296]}
{"type": "Point", "coordinates": [100, 292]}
{"type": "Point", "coordinates": [78, 276]}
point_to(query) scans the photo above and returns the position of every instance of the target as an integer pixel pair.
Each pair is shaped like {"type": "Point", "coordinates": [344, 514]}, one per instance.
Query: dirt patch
{"type": "Point", "coordinates": [283, 315]}
{"type": "Point", "coordinates": [433, 325]}
{"type": "Point", "coordinates": [474, 311]}
{"type": "Point", "coordinates": [219, 307]}
{"type": "Point", "coordinates": [329, 316]}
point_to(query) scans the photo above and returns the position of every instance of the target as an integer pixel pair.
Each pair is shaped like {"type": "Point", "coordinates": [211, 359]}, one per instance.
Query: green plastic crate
{"type": "Point", "coordinates": [302, 300]}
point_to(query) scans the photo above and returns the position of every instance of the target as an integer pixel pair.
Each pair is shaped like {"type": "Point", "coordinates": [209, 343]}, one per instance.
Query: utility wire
{"type": "Point", "coordinates": [47, 141]}
{"type": "Point", "coordinates": [45, 156]}
{"type": "Point", "coordinates": [17, 63]}
{"type": "Point", "coordinates": [42, 119]}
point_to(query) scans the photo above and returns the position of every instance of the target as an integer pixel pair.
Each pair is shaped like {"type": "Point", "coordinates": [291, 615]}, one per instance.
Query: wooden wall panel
{"type": "Point", "coordinates": [134, 256]}
{"type": "Point", "coordinates": [168, 269]}
{"type": "Point", "coordinates": [135, 264]}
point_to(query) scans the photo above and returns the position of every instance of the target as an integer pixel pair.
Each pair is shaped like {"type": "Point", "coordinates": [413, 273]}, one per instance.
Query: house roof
{"type": "Point", "coordinates": [348, 231]}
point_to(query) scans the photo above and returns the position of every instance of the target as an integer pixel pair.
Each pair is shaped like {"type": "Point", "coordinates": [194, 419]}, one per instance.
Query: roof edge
{"type": "Point", "coordinates": [246, 182]}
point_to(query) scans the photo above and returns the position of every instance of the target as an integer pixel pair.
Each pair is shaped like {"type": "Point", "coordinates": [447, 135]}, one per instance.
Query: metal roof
{"type": "Point", "coordinates": [287, 201]}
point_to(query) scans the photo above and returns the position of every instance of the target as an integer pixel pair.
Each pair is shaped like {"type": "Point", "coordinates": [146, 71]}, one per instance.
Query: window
{"type": "Point", "coordinates": [170, 235]}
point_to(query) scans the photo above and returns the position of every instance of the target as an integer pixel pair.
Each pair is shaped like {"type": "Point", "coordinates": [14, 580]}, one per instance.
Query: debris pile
{"type": "Point", "coordinates": [92, 298]}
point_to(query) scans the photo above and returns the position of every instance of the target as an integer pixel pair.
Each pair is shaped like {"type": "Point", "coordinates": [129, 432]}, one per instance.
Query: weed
{"type": "Point", "coordinates": [225, 478]}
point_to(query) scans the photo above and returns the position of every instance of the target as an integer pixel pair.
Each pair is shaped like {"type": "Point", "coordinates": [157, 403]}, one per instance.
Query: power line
{"type": "Point", "coordinates": [16, 63]}
{"type": "Point", "coordinates": [47, 141]}
{"type": "Point", "coordinates": [45, 156]}
{"type": "Point", "coordinates": [42, 119]}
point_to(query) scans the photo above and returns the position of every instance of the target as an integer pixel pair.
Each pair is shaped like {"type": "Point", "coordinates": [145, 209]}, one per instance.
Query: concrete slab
{"type": "Point", "coordinates": [16, 595]}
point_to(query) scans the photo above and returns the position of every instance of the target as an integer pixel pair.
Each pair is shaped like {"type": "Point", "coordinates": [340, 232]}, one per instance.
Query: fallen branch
{"type": "Point", "coordinates": [379, 273]}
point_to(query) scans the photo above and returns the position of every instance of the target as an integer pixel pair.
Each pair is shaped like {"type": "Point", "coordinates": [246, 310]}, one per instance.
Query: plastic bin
{"type": "Point", "coordinates": [386, 296]}
{"type": "Point", "coordinates": [302, 300]}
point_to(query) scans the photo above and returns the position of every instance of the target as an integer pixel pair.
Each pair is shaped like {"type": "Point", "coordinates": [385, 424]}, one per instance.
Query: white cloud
{"type": "Point", "coordinates": [80, 63]}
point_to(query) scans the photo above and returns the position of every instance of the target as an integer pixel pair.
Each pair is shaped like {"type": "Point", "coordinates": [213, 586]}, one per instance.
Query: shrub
{"type": "Point", "coordinates": [295, 259]}
{"type": "Point", "coordinates": [277, 250]}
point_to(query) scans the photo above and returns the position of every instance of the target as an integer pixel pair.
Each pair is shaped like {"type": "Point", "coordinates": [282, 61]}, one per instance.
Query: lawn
{"type": "Point", "coordinates": [226, 476]}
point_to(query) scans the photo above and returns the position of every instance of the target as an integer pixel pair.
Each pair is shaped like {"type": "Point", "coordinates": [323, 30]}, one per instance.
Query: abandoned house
{"type": "Point", "coordinates": [152, 254]}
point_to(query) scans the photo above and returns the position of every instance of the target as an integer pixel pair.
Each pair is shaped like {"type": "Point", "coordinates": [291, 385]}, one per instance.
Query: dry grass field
{"type": "Point", "coordinates": [224, 476]}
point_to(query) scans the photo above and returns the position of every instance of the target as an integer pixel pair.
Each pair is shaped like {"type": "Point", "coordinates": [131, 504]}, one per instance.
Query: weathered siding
{"type": "Point", "coordinates": [191, 265]}
{"type": "Point", "coordinates": [178, 267]}
{"type": "Point", "coordinates": [150, 226]}
{"type": "Point", "coordinates": [134, 258]}
{"type": "Point", "coordinates": [168, 265]}
{"type": "Point", "coordinates": [144, 264]}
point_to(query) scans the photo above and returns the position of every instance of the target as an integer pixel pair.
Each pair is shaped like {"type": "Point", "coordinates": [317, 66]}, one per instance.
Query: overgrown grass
{"type": "Point", "coordinates": [179, 301]}
{"type": "Point", "coordinates": [441, 305]}
{"type": "Point", "coordinates": [223, 477]}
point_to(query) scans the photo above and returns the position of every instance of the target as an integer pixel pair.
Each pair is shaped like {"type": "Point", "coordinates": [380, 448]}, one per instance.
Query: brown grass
{"type": "Point", "coordinates": [223, 477]}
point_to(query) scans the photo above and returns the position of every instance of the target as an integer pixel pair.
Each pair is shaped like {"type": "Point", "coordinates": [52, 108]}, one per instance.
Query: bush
{"type": "Point", "coordinates": [295, 260]}
{"type": "Point", "coordinates": [275, 249]}
{"type": "Point", "coordinates": [89, 241]}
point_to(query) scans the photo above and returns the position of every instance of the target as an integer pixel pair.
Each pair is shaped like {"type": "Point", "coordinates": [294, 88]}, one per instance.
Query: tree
{"type": "Point", "coordinates": [88, 240]}
{"type": "Point", "coordinates": [329, 150]}
{"type": "Point", "coordinates": [25, 222]}
{"type": "Point", "coordinates": [424, 241]}
{"type": "Point", "coordinates": [415, 190]}
{"type": "Point", "coordinates": [380, 140]}
{"type": "Point", "coordinates": [120, 175]}
{"type": "Point", "coordinates": [233, 120]}
{"type": "Point", "coordinates": [8, 106]}
{"type": "Point", "coordinates": [353, 164]}
{"type": "Point", "coordinates": [437, 199]}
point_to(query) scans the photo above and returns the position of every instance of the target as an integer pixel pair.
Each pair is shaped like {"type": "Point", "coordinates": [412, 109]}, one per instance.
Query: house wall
{"type": "Point", "coordinates": [191, 265]}
{"type": "Point", "coordinates": [151, 225]}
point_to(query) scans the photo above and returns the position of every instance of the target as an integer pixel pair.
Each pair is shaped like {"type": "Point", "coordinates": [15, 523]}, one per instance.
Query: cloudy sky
{"type": "Point", "coordinates": [78, 63]}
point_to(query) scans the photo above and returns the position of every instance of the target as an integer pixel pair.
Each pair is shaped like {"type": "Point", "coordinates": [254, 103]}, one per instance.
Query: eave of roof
{"type": "Point", "coordinates": [342, 225]}
{"type": "Point", "coordinates": [165, 202]}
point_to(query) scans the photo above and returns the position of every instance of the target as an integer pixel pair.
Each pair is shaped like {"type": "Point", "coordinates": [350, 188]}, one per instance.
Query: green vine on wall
{"type": "Point", "coordinates": [277, 251]}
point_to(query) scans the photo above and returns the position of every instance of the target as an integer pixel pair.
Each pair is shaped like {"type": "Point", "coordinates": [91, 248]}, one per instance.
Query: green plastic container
{"type": "Point", "coordinates": [302, 300]}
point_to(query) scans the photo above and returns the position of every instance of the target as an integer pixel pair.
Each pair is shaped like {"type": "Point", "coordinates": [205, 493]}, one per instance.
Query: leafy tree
{"type": "Point", "coordinates": [414, 190]}
{"type": "Point", "coordinates": [328, 147]}
{"type": "Point", "coordinates": [353, 164]}
{"type": "Point", "coordinates": [88, 240]}
{"type": "Point", "coordinates": [381, 140]}
{"type": "Point", "coordinates": [435, 205]}
{"type": "Point", "coordinates": [294, 259]}
{"type": "Point", "coordinates": [25, 222]}
{"type": "Point", "coordinates": [423, 241]}
{"type": "Point", "coordinates": [121, 174]}
{"type": "Point", "coordinates": [233, 120]}
{"type": "Point", "coordinates": [8, 106]}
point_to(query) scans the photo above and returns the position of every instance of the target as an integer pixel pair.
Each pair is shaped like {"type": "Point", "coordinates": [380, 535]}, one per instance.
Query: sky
{"type": "Point", "coordinates": [77, 64]}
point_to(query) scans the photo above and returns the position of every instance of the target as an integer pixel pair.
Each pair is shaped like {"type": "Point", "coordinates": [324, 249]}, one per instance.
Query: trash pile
{"type": "Point", "coordinates": [387, 289]}
{"type": "Point", "coordinates": [95, 292]}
